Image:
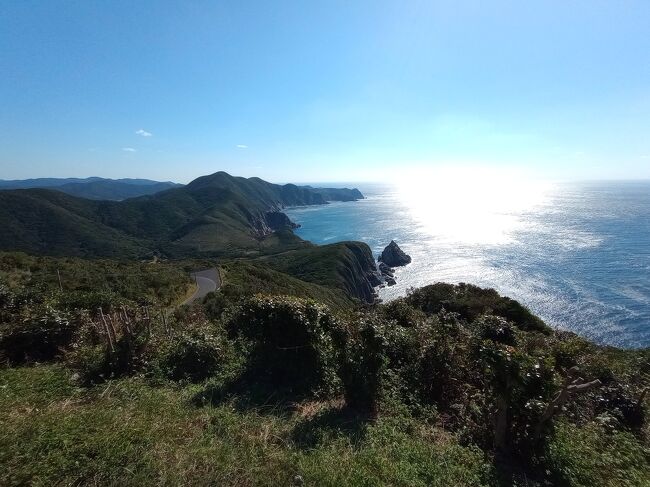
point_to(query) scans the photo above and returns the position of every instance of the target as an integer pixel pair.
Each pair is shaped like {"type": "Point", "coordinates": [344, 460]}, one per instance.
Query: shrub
{"type": "Point", "coordinates": [402, 314]}
{"type": "Point", "coordinates": [37, 334]}
{"type": "Point", "coordinates": [518, 386]}
{"type": "Point", "coordinates": [363, 365]}
{"type": "Point", "coordinates": [215, 304]}
{"type": "Point", "coordinates": [472, 301]}
{"type": "Point", "coordinates": [442, 372]}
{"type": "Point", "coordinates": [495, 328]}
{"type": "Point", "coordinates": [290, 343]}
{"type": "Point", "coordinates": [192, 356]}
{"type": "Point", "coordinates": [628, 412]}
{"type": "Point", "coordinates": [568, 349]}
{"type": "Point", "coordinates": [96, 356]}
{"type": "Point", "coordinates": [7, 303]}
{"type": "Point", "coordinates": [90, 363]}
{"type": "Point", "coordinates": [90, 300]}
{"type": "Point", "coordinates": [96, 363]}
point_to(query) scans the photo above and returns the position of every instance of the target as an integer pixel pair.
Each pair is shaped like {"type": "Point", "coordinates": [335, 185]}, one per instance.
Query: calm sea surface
{"type": "Point", "coordinates": [577, 254]}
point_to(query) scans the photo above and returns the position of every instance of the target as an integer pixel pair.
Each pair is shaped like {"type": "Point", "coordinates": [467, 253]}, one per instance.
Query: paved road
{"type": "Point", "coordinates": [207, 281]}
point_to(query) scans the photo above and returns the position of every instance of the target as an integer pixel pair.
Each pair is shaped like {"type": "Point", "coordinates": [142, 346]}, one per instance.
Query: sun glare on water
{"type": "Point", "coordinates": [470, 206]}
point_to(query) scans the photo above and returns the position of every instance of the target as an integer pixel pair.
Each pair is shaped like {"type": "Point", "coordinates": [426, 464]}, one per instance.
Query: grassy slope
{"type": "Point", "coordinates": [49, 222]}
{"type": "Point", "coordinates": [162, 282]}
{"type": "Point", "coordinates": [341, 266]}
{"type": "Point", "coordinates": [165, 282]}
{"type": "Point", "coordinates": [129, 433]}
{"type": "Point", "coordinates": [135, 432]}
{"type": "Point", "coordinates": [249, 278]}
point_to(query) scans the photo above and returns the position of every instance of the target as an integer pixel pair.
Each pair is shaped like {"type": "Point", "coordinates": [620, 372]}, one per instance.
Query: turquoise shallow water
{"type": "Point", "coordinates": [578, 254]}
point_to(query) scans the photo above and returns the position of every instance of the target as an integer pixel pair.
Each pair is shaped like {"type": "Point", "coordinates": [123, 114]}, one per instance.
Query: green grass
{"type": "Point", "coordinates": [129, 433]}
{"type": "Point", "coordinates": [161, 282]}
{"type": "Point", "coordinates": [591, 456]}
{"type": "Point", "coordinates": [243, 278]}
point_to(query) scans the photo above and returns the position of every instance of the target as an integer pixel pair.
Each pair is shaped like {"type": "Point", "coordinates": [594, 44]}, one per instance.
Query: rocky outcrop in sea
{"type": "Point", "coordinates": [392, 256]}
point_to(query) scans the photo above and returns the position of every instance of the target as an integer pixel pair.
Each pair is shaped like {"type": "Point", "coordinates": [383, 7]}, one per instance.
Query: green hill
{"type": "Point", "coordinates": [213, 215]}
{"type": "Point", "coordinates": [349, 266]}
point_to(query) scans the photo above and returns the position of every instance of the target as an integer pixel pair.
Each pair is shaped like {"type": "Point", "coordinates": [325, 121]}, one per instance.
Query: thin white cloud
{"type": "Point", "coordinates": [242, 146]}
{"type": "Point", "coordinates": [143, 133]}
{"type": "Point", "coordinates": [644, 157]}
{"type": "Point", "coordinates": [128, 149]}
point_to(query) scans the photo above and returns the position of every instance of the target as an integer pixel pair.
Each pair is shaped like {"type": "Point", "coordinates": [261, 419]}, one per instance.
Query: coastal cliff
{"type": "Point", "coordinates": [349, 266]}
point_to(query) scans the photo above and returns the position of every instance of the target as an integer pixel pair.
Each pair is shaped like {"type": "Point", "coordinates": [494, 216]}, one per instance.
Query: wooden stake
{"type": "Point", "coordinates": [111, 325]}
{"type": "Point", "coordinates": [108, 333]}
{"type": "Point", "coordinates": [147, 320]}
{"type": "Point", "coordinates": [164, 319]}
{"type": "Point", "coordinates": [127, 321]}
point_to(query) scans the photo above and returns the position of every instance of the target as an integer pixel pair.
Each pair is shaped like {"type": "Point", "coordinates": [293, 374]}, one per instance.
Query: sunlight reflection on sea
{"type": "Point", "coordinates": [575, 253]}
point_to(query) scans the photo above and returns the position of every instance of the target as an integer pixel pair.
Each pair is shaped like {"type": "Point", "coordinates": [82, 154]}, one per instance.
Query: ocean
{"type": "Point", "coordinates": [577, 254]}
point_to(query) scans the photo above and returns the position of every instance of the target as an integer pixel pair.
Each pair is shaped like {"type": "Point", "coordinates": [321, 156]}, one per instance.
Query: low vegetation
{"type": "Point", "coordinates": [242, 279]}
{"type": "Point", "coordinates": [84, 283]}
{"type": "Point", "coordinates": [450, 385]}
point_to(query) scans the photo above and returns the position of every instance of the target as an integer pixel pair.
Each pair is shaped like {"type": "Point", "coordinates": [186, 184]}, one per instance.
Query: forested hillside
{"type": "Point", "coordinates": [213, 215]}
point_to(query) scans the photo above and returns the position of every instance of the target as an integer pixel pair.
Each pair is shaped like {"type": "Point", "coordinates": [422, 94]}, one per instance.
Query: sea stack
{"type": "Point", "coordinates": [393, 256]}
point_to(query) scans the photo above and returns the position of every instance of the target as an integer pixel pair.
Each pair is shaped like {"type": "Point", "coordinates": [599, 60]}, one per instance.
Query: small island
{"type": "Point", "coordinates": [392, 256]}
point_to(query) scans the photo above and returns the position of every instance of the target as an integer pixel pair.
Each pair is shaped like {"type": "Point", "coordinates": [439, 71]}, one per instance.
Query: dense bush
{"type": "Point", "coordinates": [363, 364]}
{"type": "Point", "coordinates": [472, 301]}
{"type": "Point", "coordinates": [96, 362]}
{"type": "Point", "coordinates": [495, 328]}
{"type": "Point", "coordinates": [215, 304]}
{"type": "Point", "coordinates": [402, 313]}
{"type": "Point", "coordinates": [518, 387]}
{"type": "Point", "coordinates": [290, 343]}
{"type": "Point", "coordinates": [443, 374]}
{"type": "Point", "coordinates": [191, 356]}
{"type": "Point", "coordinates": [35, 333]}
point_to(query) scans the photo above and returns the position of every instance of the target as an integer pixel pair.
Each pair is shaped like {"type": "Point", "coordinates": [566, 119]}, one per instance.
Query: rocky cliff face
{"type": "Point", "coordinates": [392, 256]}
{"type": "Point", "coordinates": [387, 274]}
{"type": "Point", "coordinates": [277, 220]}
{"type": "Point", "coordinates": [265, 224]}
{"type": "Point", "coordinates": [364, 276]}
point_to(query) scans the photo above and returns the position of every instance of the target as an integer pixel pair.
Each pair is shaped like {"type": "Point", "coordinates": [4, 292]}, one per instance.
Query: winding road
{"type": "Point", "coordinates": [207, 281]}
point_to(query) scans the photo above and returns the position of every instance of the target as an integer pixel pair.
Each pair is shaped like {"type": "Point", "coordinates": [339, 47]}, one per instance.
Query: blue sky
{"type": "Point", "coordinates": [323, 91]}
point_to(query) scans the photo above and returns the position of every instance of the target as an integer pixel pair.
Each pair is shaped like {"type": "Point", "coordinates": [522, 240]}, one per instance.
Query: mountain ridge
{"type": "Point", "coordinates": [213, 214]}
{"type": "Point", "coordinates": [94, 187]}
